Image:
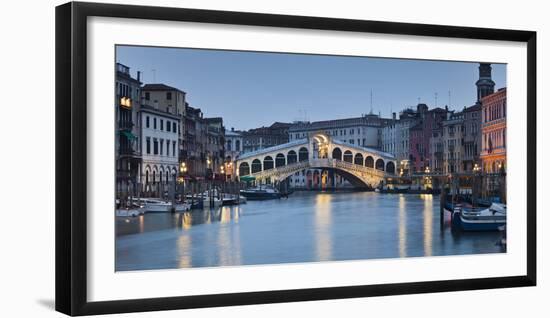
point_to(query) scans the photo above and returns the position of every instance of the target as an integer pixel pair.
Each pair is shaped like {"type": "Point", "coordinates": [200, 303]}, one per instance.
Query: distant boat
{"type": "Point", "coordinates": [182, 207]}
{"type": "Point", "coordinates": [479, 219]}
{"type": "Point", "coordinates": [154, 205]}
{"type": "Point", "coordinates": [261, 193]}
{"type": "Point", "coordinates": [134, 209]}
{"type": "Point", "coordinates": [128, 212]}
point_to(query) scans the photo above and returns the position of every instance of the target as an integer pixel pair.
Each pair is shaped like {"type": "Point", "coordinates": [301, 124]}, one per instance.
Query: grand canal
{"type": "Point", "coordinates": [306, 227]}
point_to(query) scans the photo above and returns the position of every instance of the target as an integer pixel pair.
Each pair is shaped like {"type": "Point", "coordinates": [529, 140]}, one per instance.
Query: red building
{"type": "Point", "coordinates": [493, 130]}
{"type": "Point", "coordinates": [420, 134]}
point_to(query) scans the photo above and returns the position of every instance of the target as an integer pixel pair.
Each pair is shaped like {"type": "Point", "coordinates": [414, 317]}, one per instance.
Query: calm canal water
{"type": "Point", "coordinates": [306, 227]}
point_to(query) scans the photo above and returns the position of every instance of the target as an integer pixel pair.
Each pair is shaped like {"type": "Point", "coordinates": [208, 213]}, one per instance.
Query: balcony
{"type": "Point", "coordinates": [128, 152]}
{"type": "Point", "coordinates": [125, 125]}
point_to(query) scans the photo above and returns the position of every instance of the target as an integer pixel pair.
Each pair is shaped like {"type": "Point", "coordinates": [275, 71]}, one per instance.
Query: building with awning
{"type": "Point", "coordinates": [128, 151]}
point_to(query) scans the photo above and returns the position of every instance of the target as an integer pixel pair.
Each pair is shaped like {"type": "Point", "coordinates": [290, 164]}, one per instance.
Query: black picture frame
{"type": "Point", "coordinates": [71, 157]}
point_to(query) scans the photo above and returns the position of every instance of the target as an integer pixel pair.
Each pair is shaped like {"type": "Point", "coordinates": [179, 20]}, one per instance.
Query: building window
{"type": "Point", "coordinates": [148, 145]}
{"type": "Point", "coordinates": [168, 126]}
{"type": "Point", "coordinates": [155, 146]}
{"type": "Point", "coordinates": [154, 123]}
{"type": "Point", "coordinates": [162, 124]}
{"type": "Point", "coordinates": [238, 145]}
{"type": "Point", "coordinates": [167, 147]}
{"type": "Point", "coordinates": [147, 96]}
{"type": "Point", "coordinates": [169, 95]}
{"type": "Point", "coordinates": [147, 121]}
{"type": "Point", "coordinates": [173, 148]}
{"type": "Point", "coordinates": [174, 127]}
{"type": "Point", "coordinates": [161, 146]}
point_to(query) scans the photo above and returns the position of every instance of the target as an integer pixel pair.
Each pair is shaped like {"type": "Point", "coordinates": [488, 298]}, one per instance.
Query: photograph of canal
{"type": "Point", "coordinates": [233, 158]}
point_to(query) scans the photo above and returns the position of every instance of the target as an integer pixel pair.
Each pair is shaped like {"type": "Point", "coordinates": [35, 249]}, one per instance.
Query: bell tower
{"type": "Point", "coordinates": [485, 84]}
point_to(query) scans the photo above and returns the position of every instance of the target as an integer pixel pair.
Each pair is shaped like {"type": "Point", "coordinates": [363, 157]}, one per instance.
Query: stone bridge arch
{"type": "Point", "coordinates": [361, 166]}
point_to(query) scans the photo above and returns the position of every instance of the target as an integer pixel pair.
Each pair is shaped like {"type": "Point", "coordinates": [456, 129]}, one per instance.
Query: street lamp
{"type": "Point", "coordinates": [183, 167]}
{"type": "Point", "coordinates": [428, 180]}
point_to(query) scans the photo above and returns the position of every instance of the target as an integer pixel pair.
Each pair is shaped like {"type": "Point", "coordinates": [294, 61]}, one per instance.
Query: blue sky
{"type": "Point", "coordinates": [251, 89]}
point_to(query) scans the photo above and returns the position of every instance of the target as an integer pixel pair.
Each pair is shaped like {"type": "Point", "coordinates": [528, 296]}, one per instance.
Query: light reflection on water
{"type": "Point", "coordinates": [428, 223]}
{"type": "Point", "coordinates": [402, 226]}
{"type": "Point", "coordinates": [306, 227]}
{"type": "Point", "coordinates": [323, 224]}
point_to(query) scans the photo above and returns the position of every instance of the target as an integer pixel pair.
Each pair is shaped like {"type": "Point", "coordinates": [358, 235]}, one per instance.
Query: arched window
{"type": "Point", "coordinates": [303, 154]}
{"type": "Point", "coordinates": [348, 156]}
{"type": "Point", "coordinates": [147, 177]}
{"type": "Point", "coordinates": [369, 162]}
{"type": "Point", "coordinates": [280, 160]}
{"type": "Point", "coordinates": [390, 167]}
{"type": "Point", "coordinates": [268, 163]}
{"type": "Point", "coordinates": [380, 164]}
{"type": "Point", "coordinates": [244, 169]}
{"type": "Point", "coordinates": [292, 157]}
{"type": "Point", "coordinates": [358, 160]}
{"type": "Point", "coordinates": [256, 165]}
{"type": "Point", "coordinates": [237, 145]}
{"type": "Point", "coordinates": [337, 154]}
{"type": "Point", "coordinates": [167, 176]}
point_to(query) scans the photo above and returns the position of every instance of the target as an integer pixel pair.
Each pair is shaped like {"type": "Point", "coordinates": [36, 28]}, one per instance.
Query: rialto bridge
{"type": "Point", "coordinates": [361, 166]}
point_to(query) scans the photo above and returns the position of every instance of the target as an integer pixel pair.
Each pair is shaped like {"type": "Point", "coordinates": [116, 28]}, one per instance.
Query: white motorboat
{"type": "Point", "coordinates": [128, 212]}
{"type": "Point", "coordinates": [154, 205]}
{"type": "Point", "coordinates": [130, 209]}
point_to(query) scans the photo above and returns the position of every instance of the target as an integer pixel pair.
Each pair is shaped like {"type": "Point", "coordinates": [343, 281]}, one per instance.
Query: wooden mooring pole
{"type": "Point", "coordinates": [442, 201]}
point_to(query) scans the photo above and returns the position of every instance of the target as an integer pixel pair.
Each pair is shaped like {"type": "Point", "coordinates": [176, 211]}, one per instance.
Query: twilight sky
{"type": "Point", "coordinates": [251, 89]}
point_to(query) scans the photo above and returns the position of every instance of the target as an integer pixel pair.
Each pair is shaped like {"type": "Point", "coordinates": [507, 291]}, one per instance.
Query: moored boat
{"type": "Point", "coordinates": [479, 219]}
{"type": "Point", "coordinates": [261, 193]}
{"type": "Point", "coordinates": [129, 212]}
{"type": "Point", "coordinates": [154, 205]}
{"type": "Point", "coordinates": [182, 207]}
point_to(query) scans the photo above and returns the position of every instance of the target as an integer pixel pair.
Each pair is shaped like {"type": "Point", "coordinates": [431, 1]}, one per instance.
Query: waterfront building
{"type": "Point", "coordinates": [408, 118]}
{"type": "Point", "coordinates": [165, 98]}
{"type": "Point", "coordinates": [387, 135]}
{"type": "Point", "coordinates": [159, 144]}
{"type": "Point", "coordinates": [361, 131]}
{"type": "Point", "coordinates": [420, 134]}
{"type": "Point", "coordinates": [437, 159]}
{"type": "Point", "coordinates": [233, 148]}
{"type": "Point", "coordinates": [472, 138]}
{"type": "Point", "coordinates": [264, 137]}
{"type": "Point", "coordinates": [453, 141]}
{"type": "Point", "coordinates": [493, 130]}
{"type": "Point", "coordinates": [127, 142]}
{"type": "Point", "coordinates": [193, 150]}
{"type": "Point", "coordinates": [215, 148]}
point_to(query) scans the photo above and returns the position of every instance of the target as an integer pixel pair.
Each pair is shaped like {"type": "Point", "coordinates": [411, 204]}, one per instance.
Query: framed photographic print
{"type": "Point", "coordinates": [209, 158]}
